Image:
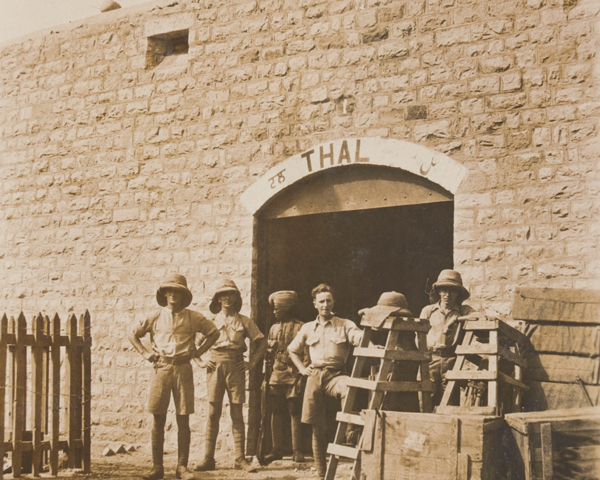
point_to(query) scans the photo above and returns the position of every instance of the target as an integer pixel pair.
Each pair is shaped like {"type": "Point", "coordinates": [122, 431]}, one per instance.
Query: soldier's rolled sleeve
{"type": "Point", "coordinates": [252, 331]}
{"type": "Point", "coordinates": [353, 333]}
{"type": "Point", "coordinates": [298, 343]}
{"type": "Point", "coordinates": [142, 328]}
{"type": "Point", "coordinates": [201, 324]}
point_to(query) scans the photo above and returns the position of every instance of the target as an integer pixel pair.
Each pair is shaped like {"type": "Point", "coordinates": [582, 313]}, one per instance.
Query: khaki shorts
{"type": "Point", "coordinates": [168, 378]}
{"type": "Point", "coordinates": [323, 383]}
{"type": "Point", "coordinates": [226, 377]}
{"type": "Point", "coordinates": [283, 390]}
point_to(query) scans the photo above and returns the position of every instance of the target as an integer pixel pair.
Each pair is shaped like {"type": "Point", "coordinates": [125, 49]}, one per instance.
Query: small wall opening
{"type": "Point", "coordinates": [171, 45]}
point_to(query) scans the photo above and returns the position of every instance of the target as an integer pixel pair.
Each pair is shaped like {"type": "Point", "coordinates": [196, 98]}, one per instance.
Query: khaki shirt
{"type": "Point", "coordinates": [328, 344]}
{"type": "Point", "coordinates": [174, 335]}
{"type": "Point", "coordinates": [233, 332]}
{"type": "Point", "coordinates": [280, 336]}
{"type": "Point", "coordinates": [436, 338]}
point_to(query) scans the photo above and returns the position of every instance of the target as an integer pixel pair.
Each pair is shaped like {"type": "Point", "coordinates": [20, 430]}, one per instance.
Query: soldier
{"type": "Point", "coordinates": [329, 340]}
{"type": "Point", "coordinates": [447, 295]}
{"type": "Point", "coordinates": [173, 332]}
{"type": "Point", "coordinates": [226, 371]}
{"type": "Point", "coordinates": [284, 381]}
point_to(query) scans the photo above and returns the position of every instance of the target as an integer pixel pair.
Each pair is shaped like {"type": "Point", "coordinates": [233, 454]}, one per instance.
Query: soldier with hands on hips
{"type": "Point", "coordinates": [329, 339]}
{"type": "Point", "coordinates": [173, 330]}
{"type": "Point", "coordinates": [226, 369]}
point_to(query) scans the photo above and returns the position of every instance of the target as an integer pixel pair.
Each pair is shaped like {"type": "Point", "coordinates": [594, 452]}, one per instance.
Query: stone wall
{"type": "Point", "coordinates": [115, 171]}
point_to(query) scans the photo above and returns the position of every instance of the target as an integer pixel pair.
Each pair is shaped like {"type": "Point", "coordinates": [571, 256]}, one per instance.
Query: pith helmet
{"type": "Point", "coordinates": [388, 303]}
{"type": "Point", "coordinates": [226, 286]}
{"type": "Point", "coordinates": [176, 282]}
{"type": "Point", "coordinates": [450, 279]}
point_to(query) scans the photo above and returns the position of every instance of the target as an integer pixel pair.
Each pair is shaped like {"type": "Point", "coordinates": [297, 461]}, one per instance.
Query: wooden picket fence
{"type": "Point", "coordinates": [30, 372]}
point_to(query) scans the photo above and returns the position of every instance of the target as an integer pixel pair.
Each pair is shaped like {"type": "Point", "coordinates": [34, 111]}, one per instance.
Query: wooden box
{"type": "Point", "coordinates": [434, 447]}
{"type": "Point", "coordinates": [557, 444]}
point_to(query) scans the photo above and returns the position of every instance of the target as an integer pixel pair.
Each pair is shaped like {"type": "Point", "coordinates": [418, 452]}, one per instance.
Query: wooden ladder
{"type": "Point", "coordinates": [494, 341]}
{"type": "Point", "coordinates": [395, 327]}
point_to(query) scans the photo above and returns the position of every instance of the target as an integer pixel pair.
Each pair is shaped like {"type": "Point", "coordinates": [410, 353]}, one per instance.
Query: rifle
{"type": "Point", "coordinates": [265, 411]}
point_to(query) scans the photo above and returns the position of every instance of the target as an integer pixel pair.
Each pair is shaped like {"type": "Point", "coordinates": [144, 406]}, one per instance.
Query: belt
{"type": "Point", "coordinates": [176, 360]}
{"type": "Point", "coordinates": [220, 356]}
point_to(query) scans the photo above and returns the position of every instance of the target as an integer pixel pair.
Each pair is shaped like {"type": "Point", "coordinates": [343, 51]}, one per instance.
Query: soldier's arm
{"type": "Point", "coordinates": [134, 338]}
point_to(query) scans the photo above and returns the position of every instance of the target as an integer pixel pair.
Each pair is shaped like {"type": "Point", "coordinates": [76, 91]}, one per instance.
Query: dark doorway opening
{"type": "Point", "coordinates": [362, 229]}
{"type": "Point", "coordinates": [361, 254]}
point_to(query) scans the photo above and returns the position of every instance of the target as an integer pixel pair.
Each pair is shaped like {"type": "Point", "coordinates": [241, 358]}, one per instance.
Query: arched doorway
{"type": "Point", "coordinates": [366, 215]}
{"type": "Point", "coordinates": [362, 229]}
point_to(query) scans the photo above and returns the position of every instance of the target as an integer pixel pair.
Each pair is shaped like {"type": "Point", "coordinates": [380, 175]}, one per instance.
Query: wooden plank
{"type": "Point", "coordinates": [402, 355]}
{"type": "Point", "coordinates": [546, 435]}
{"type": "Point", "coordinates": [20, 397]}
{"type": "Point", "coordinates": [350, 418]}
{"type": "Point", "coordinates": [557, 304]}
{"type": "Point", "coordinates": [520, 420]}
{"type": "Point", "coordinates": [342, 451]}
{"type": "Point", "coordinates": [375, 386]}
{"type": "Point", "coordinates": [464, 410]}
{"type": "Point", "coordinates": [489, 349]}
{"type": "Point", "coordinates": [553, 396]}
{"type": "Point", "coordinates": [55, 394]}
{"type": "Point", "coordinates": [3, 355]}
{"type": "Point", "coordinates": [471, 375]}
{"type": "Point", "coordinates": [566, 339]}
{"type": "Point", "coordinates": [86, 356]}
{"type": "Point", "coordinates": [572, 451]}
{"type": "Point", "coordinates": [368, 434]}
{"type": "Point", "coordinates": [570, 425]}
{"type": "Point", "coordinates": [37, 373]}
{"type": "Point", "coordinates": [462, 470]}
{"type": "Point", "coordinates": [563, 368]}
{"type": "Point", "coordinates": [411, 325]}
{"type": "Point", "coordinates": [512, 381]}
{"type": "Point", "coordinates": [74, 386]}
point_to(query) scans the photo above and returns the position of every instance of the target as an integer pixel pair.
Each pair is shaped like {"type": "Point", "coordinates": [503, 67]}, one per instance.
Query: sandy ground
{"type": "Point", "coordinates": [130, 466]}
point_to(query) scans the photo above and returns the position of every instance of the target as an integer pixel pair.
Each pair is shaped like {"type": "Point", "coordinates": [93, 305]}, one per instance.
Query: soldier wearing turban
{"type": "Point", "coordinates": [284, 378]}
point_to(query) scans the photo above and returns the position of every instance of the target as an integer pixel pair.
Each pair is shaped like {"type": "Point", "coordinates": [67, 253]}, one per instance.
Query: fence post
{"type": "Point", "coordinates": [20, 399]}
{"type": "Point", "coordinates": [74, 380]}
{"type": "Point", "coordinates": [37, 374]}
{"type": "Point", "coordinates": [3, 333]}
{"type": "Point", "coordinates": [55, 392]}
{"type": "Point", "coordinates": [86, 333]}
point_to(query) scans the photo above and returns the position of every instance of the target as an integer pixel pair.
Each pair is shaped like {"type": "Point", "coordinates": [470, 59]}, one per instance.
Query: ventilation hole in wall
{"type": "Point", "coordinates": [166, 47]}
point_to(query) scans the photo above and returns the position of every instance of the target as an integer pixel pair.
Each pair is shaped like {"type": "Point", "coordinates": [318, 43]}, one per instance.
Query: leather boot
{"type": "Point", "coordinates": [183, 440]}
{"type": "Point", "coordinates": [277, 439]}
{"type": "Point", "coordinates": [319, 445]}
{"type": "Point", "coordinates": [158, 440]}
{"type": "Point", "coordinates": [210, 443]}
{"type": "Point", "coordinates": [157, 473]}
{"type": "Point", "coordinates": [297, 438]}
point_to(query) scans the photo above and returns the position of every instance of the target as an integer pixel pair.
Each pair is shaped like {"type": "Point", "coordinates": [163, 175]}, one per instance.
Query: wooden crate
{"type": "Point", "coordinates": [434, 447]}
{"type": "Point", "coordinates": [557, 444]}
{"type": "Point", "coordinates": [563, 326]}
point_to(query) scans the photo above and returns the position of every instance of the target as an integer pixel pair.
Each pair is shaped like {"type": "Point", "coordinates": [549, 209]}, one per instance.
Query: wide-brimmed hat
{"type": "Point", "coordinates": [389, 303]}
{"type": "Point", "coordinates": [225, 286]}
{"type": "Point", "coordinates": [283, 299]}
{"type": "Point", "coordinates": [449, 279]}
{"type": "Point", "coordinates": [175, 282]}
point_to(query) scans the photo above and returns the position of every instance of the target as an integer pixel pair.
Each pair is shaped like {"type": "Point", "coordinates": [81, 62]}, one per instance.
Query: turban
{"type": "Point", "coordinates": [283, 300]}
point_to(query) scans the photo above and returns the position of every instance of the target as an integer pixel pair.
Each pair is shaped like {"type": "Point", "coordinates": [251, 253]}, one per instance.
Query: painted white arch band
{"type": "Point", "coordinates": [434, 166]}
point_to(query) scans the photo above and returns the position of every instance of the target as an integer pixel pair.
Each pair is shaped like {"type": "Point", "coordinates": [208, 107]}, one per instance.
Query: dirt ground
{"type": "Point", "coordinates": [130, 466]}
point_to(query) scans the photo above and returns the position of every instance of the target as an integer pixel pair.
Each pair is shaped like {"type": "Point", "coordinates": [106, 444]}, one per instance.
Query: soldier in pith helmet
{"type": "Point", "coordinates": [447, 295]}
{"type": "Point", "coordinates": [226, 370]}
{"type": "Point", "coordinates": [173, 331]}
